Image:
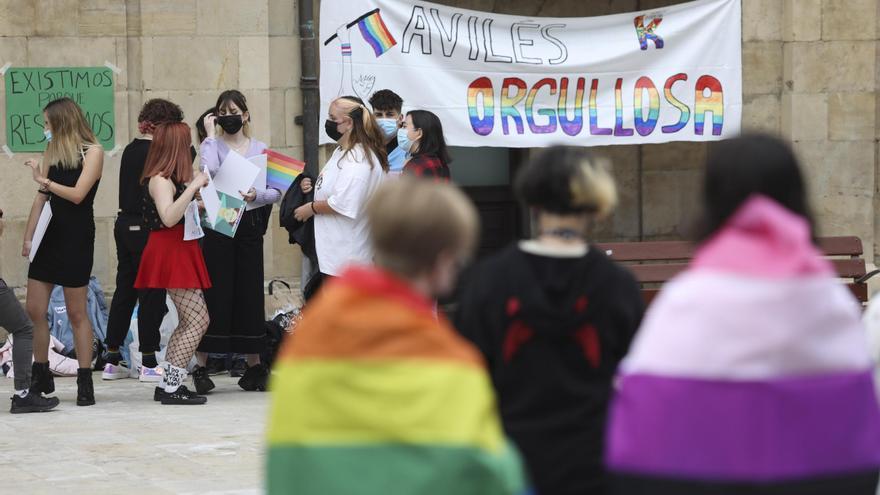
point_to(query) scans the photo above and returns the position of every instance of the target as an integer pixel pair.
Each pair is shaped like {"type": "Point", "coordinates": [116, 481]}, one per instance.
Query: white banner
{"type": "Point", "coordinates": [670, 74]}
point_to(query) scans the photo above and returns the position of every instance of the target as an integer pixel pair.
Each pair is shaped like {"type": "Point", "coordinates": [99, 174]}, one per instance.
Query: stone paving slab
{"type": "Point", "coordinates": [128, 444]}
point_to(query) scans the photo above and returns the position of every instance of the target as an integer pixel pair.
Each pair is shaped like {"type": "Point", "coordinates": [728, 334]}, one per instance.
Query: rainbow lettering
{"type": "Point", "coordinates": [548, 97]}
{"type": "Point", "coordinates": [508, 104]}
{"type": "Point", "coordinates": [482, 86]}
{"type": "Point", "coordinates": [550, 127]}
{"type": "Point", "coordinates": [595, 130]}
{"type": "Point", "coordinates": [619, 130]}
{"type": "Point", "coordinates": [376, 33]}
{"type": "Point", "coordinates": [574, 126]}
{"type": "Point", "coordinates": [713, 103]}
{"type": "Point", "coordinates": [646, 126]}
{"type": "Point", "coordinates": [685, 111]}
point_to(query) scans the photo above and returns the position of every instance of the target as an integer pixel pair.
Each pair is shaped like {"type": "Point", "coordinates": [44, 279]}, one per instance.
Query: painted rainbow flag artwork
{"type": "Point", "coordinates": [383, 399]}
{"type": "Point", "coordinates": [281, 170]}
{"type": "Point", "coordinates": [375, 32]}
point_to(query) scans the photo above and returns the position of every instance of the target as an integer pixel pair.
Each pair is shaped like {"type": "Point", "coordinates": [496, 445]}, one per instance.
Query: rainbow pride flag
{"type": "Point", "coordinates": [382, 398]}
{"type": "Point", "coordinates": [281, 170]}
{"type": "Point", "coordinates": [375, 32]}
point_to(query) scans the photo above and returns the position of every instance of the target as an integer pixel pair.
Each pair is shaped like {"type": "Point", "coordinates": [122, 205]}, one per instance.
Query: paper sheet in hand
{"type": "Point", "coordinates": [211, 200]}
{"type": "Point", "coordinates": [229, 217]}
{"type": "Point", "coordinates": [236, 174]}
{"type": "Point", "coordinates": [260, 182]}
{"type": "Point", "coordinates": [40, 231]}
{"type": "Point", "coordinates": [192, 225]}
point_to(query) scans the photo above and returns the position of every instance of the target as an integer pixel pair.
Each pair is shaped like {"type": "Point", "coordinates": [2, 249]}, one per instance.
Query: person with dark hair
{"type": "Point", "coordinates": [201, 132]}
{"type": "Point", "coordinates": [429, 157]}
{"type": "Point", "coordinates": [68, 178]}
{"type": "Point", "coordinates": [750, 373]}
{"type": "Point", "coordinates": [131, 235]}
{"type": "Point", "coordinates": [236, 299]}
{"type": "Point", "coordinates": [169, 262]}
{"type": "Point", "coordinates": [553, 317]}
{"type": "Point", "coordinates": [388, 110]}
{"type": "Point", "coordinates": [347, 181]}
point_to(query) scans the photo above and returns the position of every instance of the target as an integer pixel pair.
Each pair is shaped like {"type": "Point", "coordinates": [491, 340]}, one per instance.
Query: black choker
{"type": "Point", "coordinates": [563, 233]}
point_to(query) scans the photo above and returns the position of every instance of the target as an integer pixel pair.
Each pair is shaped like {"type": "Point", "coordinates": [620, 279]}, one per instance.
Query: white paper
{"type": "Point", "coordinates": [259, 182]}
{"type": "Point", "coordinates": [236, 174]}
{"type": "Point", "coordinates": [192, 224]}
{"type": "Point", "coordinates": [211, 200]}
{"type": "Point", "coordinates": [40, 231]}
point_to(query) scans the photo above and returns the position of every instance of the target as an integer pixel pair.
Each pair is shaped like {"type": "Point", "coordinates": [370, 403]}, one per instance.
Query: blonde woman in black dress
{"type": "Point", "coordinates": [68, 179]}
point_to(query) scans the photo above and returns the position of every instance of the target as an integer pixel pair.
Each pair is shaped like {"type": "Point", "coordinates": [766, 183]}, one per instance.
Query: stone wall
{"type": "Point", "coordinates": [811, 69]}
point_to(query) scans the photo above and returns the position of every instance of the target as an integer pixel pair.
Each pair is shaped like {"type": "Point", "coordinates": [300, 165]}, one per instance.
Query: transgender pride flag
{"type": "Point", "coordinates": [750, 374]}
{"type": "Point", "coordinates": [375, 32]}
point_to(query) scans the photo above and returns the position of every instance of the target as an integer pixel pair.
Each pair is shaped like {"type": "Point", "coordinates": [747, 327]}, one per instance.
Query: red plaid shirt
{"type": "Point", "coordinates": [428, 166]}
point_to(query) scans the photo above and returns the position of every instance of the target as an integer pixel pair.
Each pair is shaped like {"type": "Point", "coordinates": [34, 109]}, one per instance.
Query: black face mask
{"type": "Point", "coordinates": [332, 130]}
{"type": "Point", "coordinates": [230, 123]}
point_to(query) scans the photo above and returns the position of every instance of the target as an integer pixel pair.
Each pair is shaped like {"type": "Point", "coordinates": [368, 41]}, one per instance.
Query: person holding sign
{"type": "Point", "coordinates": [235, 301]}
{"type": "Point", "coordinates": [349, 179]}
{"type": "Point", "coordinates": [427, 146]}
{"type": "Point", "coordinates": [170, 262]}
{"type": "Point", "coordinates": [68, 180]}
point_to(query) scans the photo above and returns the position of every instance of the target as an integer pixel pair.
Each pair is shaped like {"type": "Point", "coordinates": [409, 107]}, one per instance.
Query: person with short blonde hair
{"type": "Point", "coordinates": [408, 245]}
{"type": "Point", "coordinates": [553, 317]}
{"type": "Point", "coordinates": [392, 391]}
{"type": "Point", "coordinates": [68, 178]}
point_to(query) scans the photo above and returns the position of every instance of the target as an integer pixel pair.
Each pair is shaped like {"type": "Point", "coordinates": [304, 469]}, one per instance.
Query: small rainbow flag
{"type": "Point", "coordinates": [281, 170]}
{"type": "Point", "coordinates": [375, 32]}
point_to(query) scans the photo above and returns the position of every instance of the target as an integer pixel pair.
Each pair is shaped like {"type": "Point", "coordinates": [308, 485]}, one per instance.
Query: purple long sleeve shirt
{"type": "Point", "coordinates": [213, 151]}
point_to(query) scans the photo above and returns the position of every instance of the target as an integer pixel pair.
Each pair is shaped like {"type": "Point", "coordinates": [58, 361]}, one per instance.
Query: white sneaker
{"type": "Point", "coordinates": [150, 375]}
{"type": "Point", "coordinates": [115, 371]}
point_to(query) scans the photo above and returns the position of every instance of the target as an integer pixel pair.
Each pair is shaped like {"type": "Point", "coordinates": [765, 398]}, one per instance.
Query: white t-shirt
{"type": "Point", "coordinates": [346, 183]}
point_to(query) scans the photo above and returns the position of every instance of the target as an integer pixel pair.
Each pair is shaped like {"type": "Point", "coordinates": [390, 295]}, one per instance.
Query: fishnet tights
{"type": "Point", "coordinates": [193, 315]}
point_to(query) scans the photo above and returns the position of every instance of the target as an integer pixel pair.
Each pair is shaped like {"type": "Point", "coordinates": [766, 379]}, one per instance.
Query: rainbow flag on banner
{"type": "Point", "coordinates": [383, 398]}
{"type": "Point", "coordinates": [375, 32]}
{"type": "Point", "coordinates": [281, 170]}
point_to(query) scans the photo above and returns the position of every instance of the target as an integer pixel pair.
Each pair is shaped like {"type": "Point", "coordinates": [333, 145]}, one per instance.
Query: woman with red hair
{"type": "Point", "coordinates": [170, 262]}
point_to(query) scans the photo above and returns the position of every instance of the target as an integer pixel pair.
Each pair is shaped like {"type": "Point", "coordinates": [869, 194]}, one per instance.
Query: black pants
{"type": "Point", "coordinates": [131, 238]}
{"type": "Point", "coordinates": [235, 300]}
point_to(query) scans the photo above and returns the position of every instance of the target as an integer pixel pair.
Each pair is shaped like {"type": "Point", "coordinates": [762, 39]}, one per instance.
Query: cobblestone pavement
{"type": "Point", "coordinates": [127, 444]}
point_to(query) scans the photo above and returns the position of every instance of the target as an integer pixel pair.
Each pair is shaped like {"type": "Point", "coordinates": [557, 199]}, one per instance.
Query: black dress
{"type": "Point", "coordinates": [553, 330]}
{"type": "Point", "coordinates": [67, 251]}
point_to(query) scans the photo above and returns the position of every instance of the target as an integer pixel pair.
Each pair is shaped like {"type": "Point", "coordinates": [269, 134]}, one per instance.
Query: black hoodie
{"type": "Point", "coordinates": [553, 330]}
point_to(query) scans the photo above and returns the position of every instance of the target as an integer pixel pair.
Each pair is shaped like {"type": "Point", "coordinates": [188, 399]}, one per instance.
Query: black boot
{"type": "Point", "coordinates": [85, 390]}
{"type": "Point", "coordinates": [42, 381]}
{"type": "Point", "coordinates": [32, 402]}
{"type": "Point", "coordinates": [202, 381]}
{"type": "Point", "coordinates": [255, 378]}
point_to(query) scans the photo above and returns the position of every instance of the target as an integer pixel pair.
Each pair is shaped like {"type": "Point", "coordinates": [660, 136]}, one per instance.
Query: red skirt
{"type": "Point", "coordinates": [169, 262]}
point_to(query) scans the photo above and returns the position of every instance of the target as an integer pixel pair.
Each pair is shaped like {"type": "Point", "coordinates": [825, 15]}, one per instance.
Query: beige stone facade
{"type": "Point", "coordinates": [811, 70]}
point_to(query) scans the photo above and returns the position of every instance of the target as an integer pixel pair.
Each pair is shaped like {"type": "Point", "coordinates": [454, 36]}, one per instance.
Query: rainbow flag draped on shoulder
{"type": "Point", "coordinates": [375, 396]}
{"type": "Point", "coordinates": [750, 374]}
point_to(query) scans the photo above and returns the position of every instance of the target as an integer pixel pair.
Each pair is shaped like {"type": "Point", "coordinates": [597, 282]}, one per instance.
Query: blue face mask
{"type": "Point", "coordinates": [388, 126]}
{"type": "Point", "coordinates": [403, 140]}
{"type": "Point", "coordinates": [48, 134]}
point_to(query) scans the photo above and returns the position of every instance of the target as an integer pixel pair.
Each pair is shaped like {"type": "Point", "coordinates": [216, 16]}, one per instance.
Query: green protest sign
{"type": "Point", "coordinates": [29, 89]}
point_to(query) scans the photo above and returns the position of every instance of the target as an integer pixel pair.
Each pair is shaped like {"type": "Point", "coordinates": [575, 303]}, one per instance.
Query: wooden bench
{"type": "Point", "coordinates": [655, 262]}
